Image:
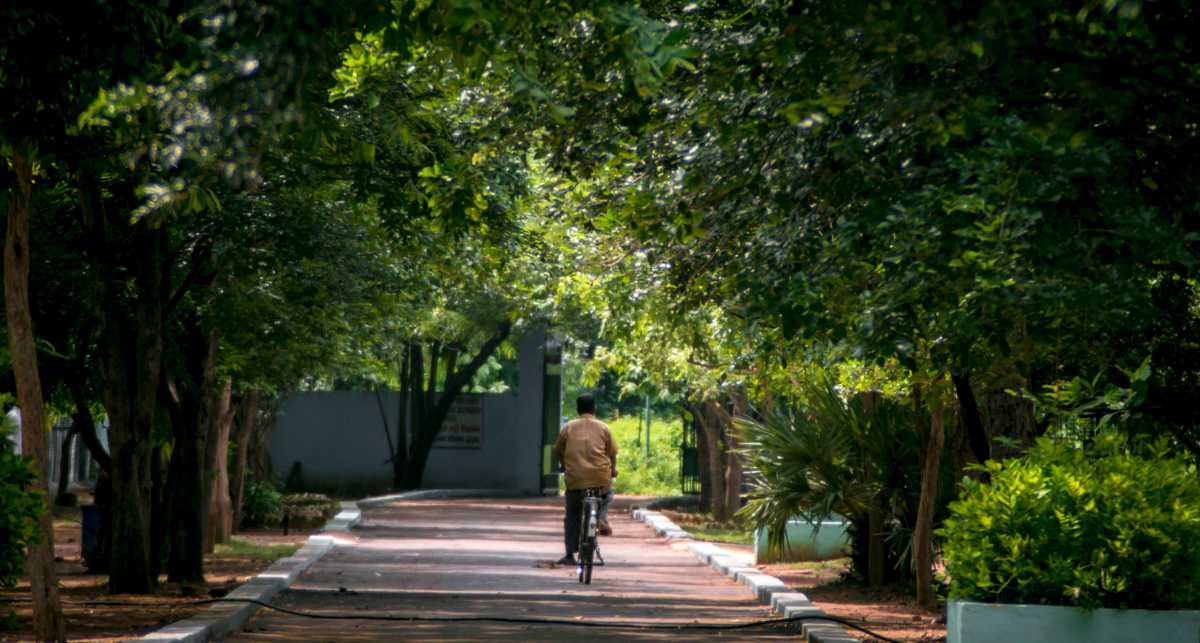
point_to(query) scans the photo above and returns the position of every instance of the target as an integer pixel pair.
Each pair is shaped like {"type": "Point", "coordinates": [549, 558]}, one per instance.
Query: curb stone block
{"type": "Point", "coordinates": [723, 563]}
{"type": "Point", "coordinates": [736, 572]}
{"type": "Point", "coordinates": [346, 519]}
{"type": "Point", "coordinates": [702, 549]}
{"type": "Point", "coordinates": [784, 599]}
{"type": "Point", "coordinates": [768, 589]}
{"type": "Point", "coordinates": [763, 586]}
{"type": "Point", "coordinates": [792, 611]}
{"type": "Point", "coordinates": [825, 633]}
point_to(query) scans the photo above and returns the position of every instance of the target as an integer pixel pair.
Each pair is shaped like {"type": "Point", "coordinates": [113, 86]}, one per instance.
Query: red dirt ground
{"type": "Point", "coordinates": [120, 623]}
{"type": "Point", "coordinates": [890, 611]}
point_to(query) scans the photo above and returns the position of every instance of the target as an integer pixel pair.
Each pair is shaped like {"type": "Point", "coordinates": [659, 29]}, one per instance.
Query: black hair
{"type": "Point", "coordinates": [585, 404]}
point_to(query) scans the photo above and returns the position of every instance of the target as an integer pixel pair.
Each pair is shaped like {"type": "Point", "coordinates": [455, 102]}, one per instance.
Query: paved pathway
{"type": "Point", "coordinates": [464, 558]}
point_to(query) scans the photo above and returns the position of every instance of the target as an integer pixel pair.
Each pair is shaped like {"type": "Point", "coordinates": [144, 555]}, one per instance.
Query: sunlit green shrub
{"type": "Point", "coordinates": [1094, 527]}
{"type": "Point", "coordinates": [261, 506]}
{"type": "Point", "coordinates": [19, 510]}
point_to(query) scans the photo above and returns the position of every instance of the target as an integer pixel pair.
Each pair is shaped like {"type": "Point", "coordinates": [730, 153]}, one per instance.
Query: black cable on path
{"type": "Point", "coordinates": [491, 619]}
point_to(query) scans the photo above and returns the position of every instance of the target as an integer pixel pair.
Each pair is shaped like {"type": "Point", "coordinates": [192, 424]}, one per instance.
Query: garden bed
{"type": "Point", "coordinates": [251, 553]}
{"type": "Point", "coordinates": [890, 611]}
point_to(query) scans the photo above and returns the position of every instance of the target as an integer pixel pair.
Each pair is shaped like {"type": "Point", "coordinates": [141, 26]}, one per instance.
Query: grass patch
{"type": "Point", "coordinates": [721, 534]}
{"type": "Point", "coordinates": [702, 526]}
{"type": "Point", "coordinates": [247, 549]}
{"type": "Point", "coordinates": [647, 472]}
{"type": "Point", "coordinates": [838, 564]}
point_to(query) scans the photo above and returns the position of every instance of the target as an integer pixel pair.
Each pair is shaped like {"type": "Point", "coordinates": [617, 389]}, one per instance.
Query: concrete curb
{"type": "Point", "coordinates": [440, 494]}
{"type": "Point", "coordinates": [226, 618]}
{"type": "Point", "coordinates": [769, 590]}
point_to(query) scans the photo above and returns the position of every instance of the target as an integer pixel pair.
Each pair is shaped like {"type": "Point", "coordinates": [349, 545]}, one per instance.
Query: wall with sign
{"type": "Point", "coordinates": [489, 441]}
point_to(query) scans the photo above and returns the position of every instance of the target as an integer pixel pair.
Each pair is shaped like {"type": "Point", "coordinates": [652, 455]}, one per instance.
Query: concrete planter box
{"type": "Point", "coordinates": [805, 542]}
{"type": "Point", "coordinates": [968, 622]}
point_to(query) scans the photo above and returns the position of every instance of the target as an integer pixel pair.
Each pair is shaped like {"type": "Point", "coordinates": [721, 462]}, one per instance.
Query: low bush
{"type": "Point", "coordinates": [262, 505]}
{"type": "Point", "coordinates": [19, 510]}
{"type": "Point", "coordinates": [1095, 527]}
{"type": "Point", "coordinates": [304, 510]}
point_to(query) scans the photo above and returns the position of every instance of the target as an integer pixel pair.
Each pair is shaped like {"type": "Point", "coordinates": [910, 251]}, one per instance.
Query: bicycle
{"type": "Point", "coordinates": [589, 545]}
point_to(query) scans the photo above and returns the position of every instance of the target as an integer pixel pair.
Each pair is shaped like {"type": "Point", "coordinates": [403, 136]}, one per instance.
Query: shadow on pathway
{"type": "Point", "coordinates": [470, 558]}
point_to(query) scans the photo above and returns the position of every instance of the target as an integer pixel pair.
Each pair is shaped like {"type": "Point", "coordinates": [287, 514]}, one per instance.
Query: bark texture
{"type": "Point", "coordinates": [220, 510]}
{"type": "Point", "coordinates": [931, 458]}
{"type": "Point", "coordinates": [709, 417]}
{"type": "Point", "coordinates": [247, 416]}
{"type": "Point", "coordinates": [48, 624]}
{"type": "Point", "coordinates": [130, 263]}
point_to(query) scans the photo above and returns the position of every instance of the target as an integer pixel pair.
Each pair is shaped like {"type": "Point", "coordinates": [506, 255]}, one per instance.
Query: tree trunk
{"type": "Point", "coordinates": [260, 437]}
{"type": "Point", "coordinates": [703, 463]}
{"type": "Point", "coordinates": [400, 452]}
{"type": "Point", "coordinates": [248, 414]}
{"type": "Point", "coordinates": [876, 551]}
{"type": "Point", "coordinates": [83, 421]}
{"type": "Point", "coordinates": [435, 407]}
{"type": "Point", "coordinates": [220, 513]}
{"type": "Point", "coordinates": [931, 458]}
{"type": "Point", "coordinates": [710, 423]}
{"type": "Point", "coordinates": [977, 435]}
{"type": "Point", "coordinates": [129, 286]}
{"type": "Point", "coordinates": [48, 624]}
{"type": "Point", "coordinates": [160, 509]}
{"type": "Point", "coordinates": [1010, 416]}
{"type": "Point", "coordinates": [733, 459]}
{"type": "Point", "coordinates": [64, 465]}
{"type": "Point", "coordinates": [185, 557]}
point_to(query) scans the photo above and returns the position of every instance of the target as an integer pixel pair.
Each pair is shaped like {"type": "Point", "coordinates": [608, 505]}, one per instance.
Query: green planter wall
{"type": "Point", "coordinates": [805, 542]}
{"type": "Point", "coordinates": [969, 622]}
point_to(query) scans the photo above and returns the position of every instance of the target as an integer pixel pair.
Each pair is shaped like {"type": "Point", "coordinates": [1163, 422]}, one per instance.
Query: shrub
{"type": "Point", "coordinates": [19, 510]}
{"type": "Point", "coordinates": [1094, 527]}
{"type": "Point", "coordinates": [821, 454]}
{"type": "Point", "coordinates": [261, 506]}
{"type": "Point", "coordinates": [309, 509]}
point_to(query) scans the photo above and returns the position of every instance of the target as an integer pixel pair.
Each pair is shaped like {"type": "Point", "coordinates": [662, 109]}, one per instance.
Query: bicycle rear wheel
{"type": "Point", "coordinates": [586, 558]}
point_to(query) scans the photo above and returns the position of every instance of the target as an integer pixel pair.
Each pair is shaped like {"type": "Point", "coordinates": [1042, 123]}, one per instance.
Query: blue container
{"type": "Point", "coordinates": [93, 537]}
{"type": "Point", "coordinates": [804, 542]}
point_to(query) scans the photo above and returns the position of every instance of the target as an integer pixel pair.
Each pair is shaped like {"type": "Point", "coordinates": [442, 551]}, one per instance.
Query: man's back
{"type": "Point", "coordinates": [586, 448]}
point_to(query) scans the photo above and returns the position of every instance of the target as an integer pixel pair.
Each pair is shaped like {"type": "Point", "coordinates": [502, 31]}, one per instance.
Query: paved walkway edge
{"type": "Point", "coordinates": [226, 618]}
{"type": "Point", "coordinates": [441, 494]}
{"type": "Point", "coordinates": [769, 590]}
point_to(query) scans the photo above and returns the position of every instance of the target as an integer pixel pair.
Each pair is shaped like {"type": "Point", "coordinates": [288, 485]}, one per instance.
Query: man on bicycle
{"type": "Point", "coordinates": [588, 454]}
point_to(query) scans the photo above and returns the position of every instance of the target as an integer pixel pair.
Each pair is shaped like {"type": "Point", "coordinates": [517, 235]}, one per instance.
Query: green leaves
{"type": "Point", "coordinates": [1064, 526]}
{"type": "Point", "coordinates": [20, 507]}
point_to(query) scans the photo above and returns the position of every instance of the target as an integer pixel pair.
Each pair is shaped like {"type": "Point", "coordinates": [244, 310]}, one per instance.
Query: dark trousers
{"type": "Point", "coordinates": [574, 516]}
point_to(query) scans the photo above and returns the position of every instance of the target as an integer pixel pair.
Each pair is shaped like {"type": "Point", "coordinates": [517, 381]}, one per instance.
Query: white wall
{"type": "Point", "coordinates": [339, 439]}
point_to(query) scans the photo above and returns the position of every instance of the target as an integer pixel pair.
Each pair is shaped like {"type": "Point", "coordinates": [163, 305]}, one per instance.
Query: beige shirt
{"type": "Point", "coordinates": [586, 448]}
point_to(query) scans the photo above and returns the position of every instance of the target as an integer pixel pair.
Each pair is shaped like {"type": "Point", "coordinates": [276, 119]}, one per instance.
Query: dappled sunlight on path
{"type": "Point", "coordinates": [472, 558]}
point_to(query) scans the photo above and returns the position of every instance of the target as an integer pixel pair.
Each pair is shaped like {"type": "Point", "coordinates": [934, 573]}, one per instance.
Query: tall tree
{"type": "Point", "coordinates": [47, 609]}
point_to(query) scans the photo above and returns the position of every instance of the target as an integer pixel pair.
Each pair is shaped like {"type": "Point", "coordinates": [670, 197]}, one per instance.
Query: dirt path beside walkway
{"type": "Point", "coordinates": [470, 558]}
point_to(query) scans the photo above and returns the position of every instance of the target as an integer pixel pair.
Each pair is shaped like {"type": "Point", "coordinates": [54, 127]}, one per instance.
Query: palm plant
{"type": "Point", "coordinates": [826, 453]}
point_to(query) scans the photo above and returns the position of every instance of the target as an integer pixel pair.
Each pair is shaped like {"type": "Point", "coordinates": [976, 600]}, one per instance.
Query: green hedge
{"type": "Point", "coordinates": [261, 506]}
{"type": "Point", "coordinates": [19, 510]}
{"type": "Point", "coordinates": [308, 510]}
{"type": "Point", "coordinates": [1093, 527]}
